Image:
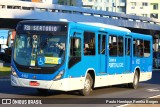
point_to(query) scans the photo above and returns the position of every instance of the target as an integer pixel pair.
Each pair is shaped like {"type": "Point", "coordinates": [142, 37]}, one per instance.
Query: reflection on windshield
{"type": "Point", "coordinates": [39, 50]}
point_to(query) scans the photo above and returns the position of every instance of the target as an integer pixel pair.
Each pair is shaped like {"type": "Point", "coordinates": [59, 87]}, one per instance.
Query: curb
{"type": "Point", "coordinates": [5, 80]}
{"type": "Point", "coordinates": [4, 77]}
{"type": "Point", "coordinates": [156, 69]}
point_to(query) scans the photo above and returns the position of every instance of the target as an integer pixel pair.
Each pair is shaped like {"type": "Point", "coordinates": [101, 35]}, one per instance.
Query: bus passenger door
{"type": "Point", "coordinates": [128, 55]}
{"type": "Point", "coordinates": [102, 53]}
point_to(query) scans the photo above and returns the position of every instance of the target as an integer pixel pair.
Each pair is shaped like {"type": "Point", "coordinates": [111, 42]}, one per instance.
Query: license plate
{"type": "Point", "coordinates": [34, 83]}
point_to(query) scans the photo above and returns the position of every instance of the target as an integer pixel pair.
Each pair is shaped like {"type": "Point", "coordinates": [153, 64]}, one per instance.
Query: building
{"type": "Point", "coordinates": [106, 5]}
{"type": "Point", "coordinates": [138, 7]}
{"type": "Point", "coordinates": [146, 8]}
{"type": "Point", "coordinates": [42, 1]}
{"type": "Point", "coordinates": [77, 3]}
{"type": "Point", "coordinates": [155, 9]}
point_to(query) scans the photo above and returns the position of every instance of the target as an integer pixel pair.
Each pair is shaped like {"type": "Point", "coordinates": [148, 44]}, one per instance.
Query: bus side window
{"type": "Point", "coordinates": [120, 46]}
{"type": "Point", "coordinates": [103, 43]}
{"type": "Point", "coordinates": [141, 48]}
{"type": "Point", "coordinates": [89, 43]}
{"type": "Point", "coordinates": [128, 49]}
{"type": "Point", "coordinates": [113, 45]}
{"type": "Point", "coordinates": [127, 46]}
{"type": "Point", "coordinates": [138, 48]}
{"type": "Point", "coordinates": [147, 48]}
{"type": "Point", "coordinates": [134, 47]}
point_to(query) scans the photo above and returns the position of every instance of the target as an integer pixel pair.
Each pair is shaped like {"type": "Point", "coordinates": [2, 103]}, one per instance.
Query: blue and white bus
{"type": "Point", "coordinates": [55, 55]}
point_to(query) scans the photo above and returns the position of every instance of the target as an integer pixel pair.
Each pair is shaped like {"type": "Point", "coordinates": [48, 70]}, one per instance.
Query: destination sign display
{"type": "Point", "coordinates": [47, 28]}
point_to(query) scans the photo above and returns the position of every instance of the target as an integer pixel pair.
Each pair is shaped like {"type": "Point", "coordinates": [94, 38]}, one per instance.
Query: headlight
{"type": "Point", "coordinates": [13, 72]}
{"type": "Point", "coordinates": [59, 76]}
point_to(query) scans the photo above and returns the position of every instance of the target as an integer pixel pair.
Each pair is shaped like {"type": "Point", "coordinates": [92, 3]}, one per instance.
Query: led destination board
{"type": "Point", "coordinates": [49, 28]}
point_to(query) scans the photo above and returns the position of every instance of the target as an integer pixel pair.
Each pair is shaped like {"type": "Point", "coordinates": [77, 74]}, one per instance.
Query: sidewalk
{"type": "Point", "coordinates": [7, 77]}
{"type": "Point", "coordinates": [7, 64]}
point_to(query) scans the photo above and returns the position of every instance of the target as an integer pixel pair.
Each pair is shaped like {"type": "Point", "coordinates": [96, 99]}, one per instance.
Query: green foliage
{"type": "Point", "coordinates": [5, 71]}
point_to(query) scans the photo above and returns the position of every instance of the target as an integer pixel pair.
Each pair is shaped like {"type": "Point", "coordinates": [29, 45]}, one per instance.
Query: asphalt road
{"type": "Point", "coordinates": [100, 95]}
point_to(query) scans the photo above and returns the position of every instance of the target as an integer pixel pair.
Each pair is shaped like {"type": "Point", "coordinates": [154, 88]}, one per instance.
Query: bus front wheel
{"type": "Point", "coordinates": [87, 85]}
{"type": "Point", "coordinates": [134, 85]}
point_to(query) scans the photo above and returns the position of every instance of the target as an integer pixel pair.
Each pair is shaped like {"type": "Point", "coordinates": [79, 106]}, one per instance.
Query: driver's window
{"type": "Point", "coordinates": [75, 47]}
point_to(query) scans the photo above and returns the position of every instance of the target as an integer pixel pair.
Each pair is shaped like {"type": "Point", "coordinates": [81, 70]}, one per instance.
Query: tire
{"type": "Point", "coordinates": [87, 85]}
{"type": "Point", "coordinates": [134, 85]}
{"type": "Point", "coordinates": [42, 91]}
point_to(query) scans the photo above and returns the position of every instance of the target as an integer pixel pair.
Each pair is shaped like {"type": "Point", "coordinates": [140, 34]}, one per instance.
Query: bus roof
{"type": "Point", "coordinates": [141, 36]}
{"type": "Point", "coordinates": [101, 25]}
{"type": "Point", "coordinates": [42, 21]}
{"type": "Point", "coordinates": [105, 26]}
{"type": "Point", "coordinates": [85, 23]}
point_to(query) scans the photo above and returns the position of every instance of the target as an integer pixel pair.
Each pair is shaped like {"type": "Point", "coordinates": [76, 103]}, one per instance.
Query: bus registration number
{"type": "Point", "coordinates": [34, 83]}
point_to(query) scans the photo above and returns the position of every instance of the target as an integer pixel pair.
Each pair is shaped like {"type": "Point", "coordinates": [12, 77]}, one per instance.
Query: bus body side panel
{"type": "Point", "coordinates": [143, 64]}
{"type": "Point", "coordinates": [113, 79]}
{"type": "Point", "coordinates": [77, 73]}
{"type": "Point", "coordinates": [147, 65]}
{"type": "Point", "coordinates": [115, 73]}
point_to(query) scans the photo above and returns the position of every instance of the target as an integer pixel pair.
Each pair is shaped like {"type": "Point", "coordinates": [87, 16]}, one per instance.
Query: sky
{"type": "Point", "coordinates": [3, 34]}
{"type": "Point", "coordinates": [3, 39]}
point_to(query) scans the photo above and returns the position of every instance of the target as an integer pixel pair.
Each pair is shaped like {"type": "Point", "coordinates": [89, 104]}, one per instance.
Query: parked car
{"type": "Point", "coordinates": [156, 59]}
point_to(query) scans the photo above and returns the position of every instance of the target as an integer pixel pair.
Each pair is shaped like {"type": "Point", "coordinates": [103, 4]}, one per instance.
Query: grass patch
{"type": "Point", "coordinates": [5, 71]}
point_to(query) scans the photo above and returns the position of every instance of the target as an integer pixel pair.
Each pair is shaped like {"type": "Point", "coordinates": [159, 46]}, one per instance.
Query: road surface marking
{"type": "Point", "coordinates": [153, 90]}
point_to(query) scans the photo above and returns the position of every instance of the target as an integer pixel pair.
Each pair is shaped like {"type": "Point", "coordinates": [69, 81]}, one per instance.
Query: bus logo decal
{"type": "Point", "coordinates": [41, 61]}
{"type": "Point", "coordinates": [113, 63]}
{"type": "Point", "coordinates": [116, 65]}
{"type": "Point", "coordinates": [137, 61]}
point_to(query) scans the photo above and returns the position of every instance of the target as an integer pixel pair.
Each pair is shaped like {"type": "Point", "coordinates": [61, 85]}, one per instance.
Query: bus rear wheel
{"type": "Point", "coordinates": [87, 85]}
{"type": "Point", "coordinates": [134, 85]}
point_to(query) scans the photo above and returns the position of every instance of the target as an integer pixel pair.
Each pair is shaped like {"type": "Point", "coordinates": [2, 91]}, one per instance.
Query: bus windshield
{"type": "Point", "coordinates": [39, 50]}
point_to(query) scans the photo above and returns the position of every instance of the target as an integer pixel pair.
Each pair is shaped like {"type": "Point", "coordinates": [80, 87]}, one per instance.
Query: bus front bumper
{"type": "Point", "coordinates": [52, 85]}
